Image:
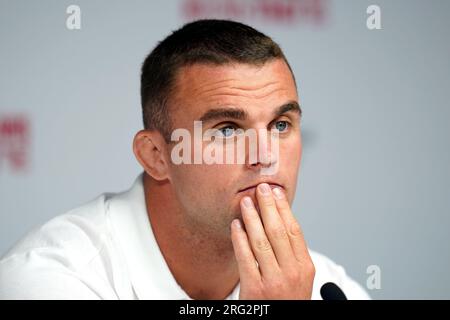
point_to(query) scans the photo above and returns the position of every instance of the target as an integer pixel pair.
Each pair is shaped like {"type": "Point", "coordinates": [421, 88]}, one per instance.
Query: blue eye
{"type": "Point", "coordinates": [227, 131]}
{"type": "Point", "coordinates": [281, 125]}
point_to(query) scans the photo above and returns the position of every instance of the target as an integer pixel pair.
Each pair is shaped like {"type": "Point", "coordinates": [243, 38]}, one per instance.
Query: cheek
{"type": "Point", "coordinates": [290, 153]}
{"type": "Point", "coordinates": [202, 179]}
{"type": "Point", "coordinates": [290, 158]}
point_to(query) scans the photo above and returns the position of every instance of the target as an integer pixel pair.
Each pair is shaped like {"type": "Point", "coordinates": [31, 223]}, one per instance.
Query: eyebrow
{"type": "Point", "coordinates": [241, 114]}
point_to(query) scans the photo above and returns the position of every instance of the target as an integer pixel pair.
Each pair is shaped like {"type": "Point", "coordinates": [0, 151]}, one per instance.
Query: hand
{"type": "Point", "coordinates": [272, 256]}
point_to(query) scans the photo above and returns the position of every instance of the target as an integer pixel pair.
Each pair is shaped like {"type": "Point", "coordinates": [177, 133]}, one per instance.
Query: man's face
{"type": "Point", "coordinates": [209, 194]}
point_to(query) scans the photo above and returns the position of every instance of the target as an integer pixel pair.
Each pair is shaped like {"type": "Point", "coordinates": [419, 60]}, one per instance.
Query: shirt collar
{"type": "Point", "coordinates": [149, 273]}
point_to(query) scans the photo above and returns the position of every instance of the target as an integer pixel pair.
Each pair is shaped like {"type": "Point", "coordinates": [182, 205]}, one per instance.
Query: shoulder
{"type": "Point", "coordinates": [78, 231]}
{"type": "Point", "coordinates": [59, 258]}
{"type": "Point", "coordinates": [329, 271]}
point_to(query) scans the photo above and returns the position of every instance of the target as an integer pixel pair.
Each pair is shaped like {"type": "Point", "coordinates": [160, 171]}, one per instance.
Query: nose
{"type": "Point", "coordinates": [262, 152]}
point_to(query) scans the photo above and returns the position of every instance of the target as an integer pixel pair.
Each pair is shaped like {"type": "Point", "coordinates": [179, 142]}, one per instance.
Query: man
{"type": "Point", "coordinates": [192, 229]}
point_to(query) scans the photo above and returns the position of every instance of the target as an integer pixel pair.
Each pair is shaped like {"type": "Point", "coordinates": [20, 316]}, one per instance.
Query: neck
{"type": "Point", "coordinates": [203, 264]}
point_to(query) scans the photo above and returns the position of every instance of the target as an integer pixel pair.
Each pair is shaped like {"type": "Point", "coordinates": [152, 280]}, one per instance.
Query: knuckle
{"type": "Point", "coordinates": [293, 276]}
{"type": "Point", "coordinates": [294, 230]}
{"type": "Point", "coordinates": [252, 215]}
{"type": "Point", "coordinates": [311, 269]}
{"type": "Point", "coordinates": [278, 233]}
{"type": "Point", "coordinates": [242, 258]}
{"type": "Point", "coordinates": [263, 245]}
{"type": "Point", "coordinates": [268, 202]}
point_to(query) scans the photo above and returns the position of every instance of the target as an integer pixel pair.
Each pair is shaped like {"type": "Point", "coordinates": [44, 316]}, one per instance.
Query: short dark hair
{"type": "Point", "coordinates": [210, 41]}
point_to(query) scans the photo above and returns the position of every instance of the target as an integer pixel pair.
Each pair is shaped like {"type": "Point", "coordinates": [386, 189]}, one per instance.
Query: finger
{"type": "Point", "coordinates": [262, 250]}
{"type": "Point", "coordinates": [248, 270]}
{"type": "Point", "coordinates": [274, 226]}
{"type": "Point", "coordinates": [293, 228]}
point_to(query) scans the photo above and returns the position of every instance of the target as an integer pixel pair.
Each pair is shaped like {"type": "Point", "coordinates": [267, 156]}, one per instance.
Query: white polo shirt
{"type": "Point", "coordinates": [106, 249]}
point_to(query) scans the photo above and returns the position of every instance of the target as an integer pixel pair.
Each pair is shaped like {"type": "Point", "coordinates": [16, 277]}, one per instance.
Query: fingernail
{"type": "Point", "coordinates": [278, 193]}
{"type": "Point", "coordinates": [237, 223]}
{"type": "Point", "coordinates": [264, 188]}
{"type": "Point", "coordinates": [248, 202]}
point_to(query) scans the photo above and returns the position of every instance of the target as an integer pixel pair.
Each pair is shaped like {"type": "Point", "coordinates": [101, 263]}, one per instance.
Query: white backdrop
{"type": "Point", "coordinates": [374, 183]}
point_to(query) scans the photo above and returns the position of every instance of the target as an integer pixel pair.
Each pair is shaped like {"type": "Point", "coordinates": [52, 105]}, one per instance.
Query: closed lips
{"type": "Point", "coordinates": [272, 186]}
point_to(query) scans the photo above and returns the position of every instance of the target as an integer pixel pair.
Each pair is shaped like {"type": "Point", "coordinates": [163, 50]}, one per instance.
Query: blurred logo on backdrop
{"type": "Point", "coordinates": [282, 12]}
{"type": "Point", "coordinates": [14, 142]}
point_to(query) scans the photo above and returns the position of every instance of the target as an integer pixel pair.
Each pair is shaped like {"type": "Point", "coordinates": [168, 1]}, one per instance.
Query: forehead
{"type": "Point", "coordinates": [200, 87]}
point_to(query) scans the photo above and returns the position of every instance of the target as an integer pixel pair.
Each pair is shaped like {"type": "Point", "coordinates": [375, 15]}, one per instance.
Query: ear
{"type": "Point", "coordinates": [149, 148]}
